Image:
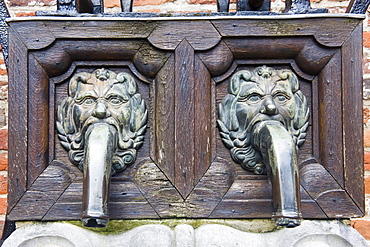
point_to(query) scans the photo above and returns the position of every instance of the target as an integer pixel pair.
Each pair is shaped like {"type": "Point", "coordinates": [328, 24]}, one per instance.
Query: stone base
{"type": "Point", "coordinates": [310, 233]}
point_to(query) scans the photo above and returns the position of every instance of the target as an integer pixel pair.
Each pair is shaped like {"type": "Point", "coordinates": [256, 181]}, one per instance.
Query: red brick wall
{"type": "Point", "coordinates": [20, 8]}
{"type": "Point", "coordinates": [3, 139]}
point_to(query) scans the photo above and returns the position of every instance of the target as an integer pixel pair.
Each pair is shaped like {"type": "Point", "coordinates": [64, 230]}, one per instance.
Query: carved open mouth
{"type": "Point", "coordinates": [263, 117]}
{"type": "Point", "coordinates": [93, 120]}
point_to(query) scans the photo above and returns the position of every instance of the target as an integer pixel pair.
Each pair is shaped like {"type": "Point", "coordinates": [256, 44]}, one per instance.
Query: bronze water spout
{"type": "Point", "coordinates": [101, 124]}
{"type": "Point", "coordinates": [263, 121]}
{"type": "Point", "coordinates": [279, 154]}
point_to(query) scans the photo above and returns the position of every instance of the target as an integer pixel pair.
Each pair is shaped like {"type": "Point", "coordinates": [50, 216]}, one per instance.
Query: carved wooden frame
{"type": "Point", "coordinates": [182, 67]}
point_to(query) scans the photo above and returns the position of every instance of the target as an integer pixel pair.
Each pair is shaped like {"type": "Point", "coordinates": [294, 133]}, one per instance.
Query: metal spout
{"type": "Point", "coordinates": [280, 156]}
{"type": "Point", "coordinates": [100, 145]}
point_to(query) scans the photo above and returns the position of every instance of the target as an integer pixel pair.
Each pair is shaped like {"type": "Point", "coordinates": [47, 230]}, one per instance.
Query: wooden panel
{"type": "Point", "coordinates": [182, 138]}
{"type": "Point", "coordinates": [164, 119]}
{"type": "Point", "coordinates": [149, 60]}
{"type": "Point", "coordinates": [241, 208]}
{"type": "Point", "coordinates": [330, 32]}
{"type": "Point", "coordinates": [204, 117]}
{"type": "Point", "coordinates": [338, 204]}
{"type": "Point", "coordinates": [103, 29]}
{"type": "Point", "coordinates": [43, 193]}
{"type": "Point", "coordinates": [31, 38]}
{"type": "Point", "coordinates": [316, 180]}
{"type": "Point", "coordinates": [38, 121]}
{"type": "Point", "coordinates": [184, 119]}
{"type": "Point", "coordinates": [18, 128]}
{"type": "Point", "coordinates": [330, 114]}
{"type": "Point", "coordinates": [269, 27]}
{"type": "Point", "coordinates": [352, 116]}
{"type": "Point", "coordinates": [169, 34]}
{"type": "Point", "coordinates": [167, 201]}
{"type": "Point", "coordinates": [273, 47]}
{"type": "Point", "coordinates": [335, 31]}
{"type": "Point", "coordinates": [218, 60]}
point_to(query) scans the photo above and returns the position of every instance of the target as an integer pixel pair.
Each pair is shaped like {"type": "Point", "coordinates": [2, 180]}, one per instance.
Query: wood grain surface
{"type": "Point", "coordinates": [182, 68]}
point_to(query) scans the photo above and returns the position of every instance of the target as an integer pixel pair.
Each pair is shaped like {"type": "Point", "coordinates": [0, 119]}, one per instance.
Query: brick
{"type": "Point", "coordinates": [3, 185]}
{"type": "Point", "coordinates": [367, 157]}
{"type": "Point", "coordinates": [151, 11]}
{"type": "Point", "coordinates": [112, 3]}
{"type": "Point", "coordinates": [202, 1]}
{"type": "Point", "coordinates": [367, 138]}
{"type": "Point", "coordinates": [363, 227]}
{"type": "Point", "coordinates": [3, 72]}
{"type": "Point", "coordinates": [150, 2]}
{"type": "Point", "coordinates": [14, 3]}
{"type": "Point", "coordinates": [367, 167]}
{"type": "Point", "coordinates": [3, 205]}
{"type": "Point", "coordinates": [367, 184]}
{"type": "Point", "coordinates": [25, 14]}
{"type": "Point", "coordinates": [3, 139]}
{"type": "Point", "coordinates": [3, 161]}
{"type": "Point", "coordinates": [366, 39]}
{"type": "Point", "coordinates": [366, 115]}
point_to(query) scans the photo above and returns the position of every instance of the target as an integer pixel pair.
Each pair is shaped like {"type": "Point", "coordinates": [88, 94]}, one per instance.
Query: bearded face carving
{"type": "Point", "coordinates": [255, 96]}
{"type": "Point", "coordinates": [108, 98]}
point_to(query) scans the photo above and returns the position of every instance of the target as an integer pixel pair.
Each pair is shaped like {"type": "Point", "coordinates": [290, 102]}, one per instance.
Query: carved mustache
{"type": "Point", "coordinates": [245, 136]}
{"type": "Point", "coordinates": [124, 142]}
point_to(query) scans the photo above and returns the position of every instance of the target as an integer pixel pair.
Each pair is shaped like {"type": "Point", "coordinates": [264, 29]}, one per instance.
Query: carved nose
{"type": "Point", "coordinates": [269, 108]}
{"type": "Point", "coordinates": [101, 111]}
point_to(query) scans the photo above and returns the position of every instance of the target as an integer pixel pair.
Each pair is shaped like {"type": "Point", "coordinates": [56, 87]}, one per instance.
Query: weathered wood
{"type": "Point", "coordinates": [218, 60]}
{"type": "Point", "coordinates": [310, 208]}
{"type": "Point", "coordinates": [182, 69]}
{"type": "Point", "coordinates": [334, 32]}
{"type": "Point", "coordinates": [211, 189]}
{"type": "Point", "coordinates": [261, 47]}
{"type": "Point", "coordinates": [43, 193]}
{"type": "Point", "coordinates": [204, 119]}
{"type": "Point", "coordinates": [30, 37]}
{"type": "Point", "coordinates": [168, 35]}
{"type": "Point", "coordinates": [38, 121]}
{"type": "Point", "coordinates": [54, 59]}
{"type": "Point", "coordinates": [149, 60]}
{"type": "Point", "coordinates": [185, 121]}
{"type": "Point", "coordinates": [164, 119]}
{"type": "Point", "coordinates": [338, 204]}
{"type": "Point", "coordinates": [167, 201]}
{"type": "Point", "coordinates": [352, 116]}
{"type": "Point", "coordinates": [316, 180]}
{"type": "Point", "coordinates": [102, 29]}
{"type": "Point", "coordinates": [313, 57]}
{"type": "Point", "coordinates": [18, 128]}
{"type": "Point", "coordinates": [330, 114]}
{"type": "Point", "coordinates": [331, 32]}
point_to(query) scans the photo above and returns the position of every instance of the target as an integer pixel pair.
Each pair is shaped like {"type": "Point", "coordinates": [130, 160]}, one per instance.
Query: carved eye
{"type": "Point", "coordinates": [115, 100]}
{"type": "Point", "coordinates": [254, 98]}
{"type": "Point", "coordinates": [282, 98]}
{"type": "Point", "coordinates": [89, 101]}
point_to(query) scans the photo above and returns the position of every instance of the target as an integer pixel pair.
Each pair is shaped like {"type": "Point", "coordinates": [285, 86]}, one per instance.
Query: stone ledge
{"type": "Point", "coordinates": [310, 233]}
